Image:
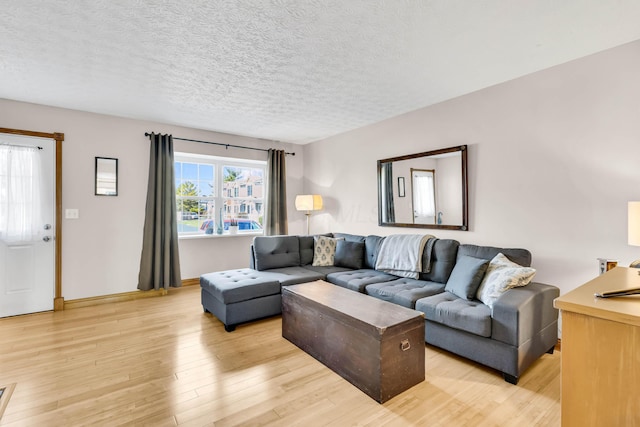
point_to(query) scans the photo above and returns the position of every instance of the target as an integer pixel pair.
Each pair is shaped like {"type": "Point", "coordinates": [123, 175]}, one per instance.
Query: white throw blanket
{"type": "Point", "coordinates": [401, 254]}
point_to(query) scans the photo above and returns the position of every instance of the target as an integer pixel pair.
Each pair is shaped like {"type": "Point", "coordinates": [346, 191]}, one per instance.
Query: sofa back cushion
{"type": "Point", "coordinates": [276, 252]}
{"type": "Point", "coordinates": [443, 259]}
{"type": "Point", "coordinates": [519, 256]}
{"type": "Point", "coordinates": [371, 247]}
{"type": "Point", "coordinates": [349, 237]}
{"type": "Point", "coordinates": [306, 249]}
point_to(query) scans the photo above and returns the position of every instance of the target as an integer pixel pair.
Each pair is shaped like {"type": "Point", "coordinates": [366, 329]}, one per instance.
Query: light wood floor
{"type": "Point", "coordinates": [163, 362]}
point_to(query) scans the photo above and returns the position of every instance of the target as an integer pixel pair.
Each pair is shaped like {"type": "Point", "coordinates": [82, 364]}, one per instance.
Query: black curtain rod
{"type": "Point", "coordinates": [14, 145]}
{"type": "Point", "coordinates": [221, 144]}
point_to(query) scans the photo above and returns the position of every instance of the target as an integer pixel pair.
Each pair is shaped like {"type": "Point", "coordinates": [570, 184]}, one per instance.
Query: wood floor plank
{"type": "Point", "coordinates": [163, 362]}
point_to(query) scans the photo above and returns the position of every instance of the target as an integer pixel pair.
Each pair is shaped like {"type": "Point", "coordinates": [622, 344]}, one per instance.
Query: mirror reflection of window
{"type": "Point", "coordinates": [106, 176]}
{"type": "Point", "coordinates": [424, 196]}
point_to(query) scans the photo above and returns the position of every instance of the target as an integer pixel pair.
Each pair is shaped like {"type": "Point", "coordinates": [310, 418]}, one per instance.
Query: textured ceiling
{"type": "Point", "coordinates": [294, 71]}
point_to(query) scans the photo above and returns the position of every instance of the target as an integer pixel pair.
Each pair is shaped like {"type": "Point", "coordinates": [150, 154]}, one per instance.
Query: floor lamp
{"type": "Point", "coordinates": [308, 203]}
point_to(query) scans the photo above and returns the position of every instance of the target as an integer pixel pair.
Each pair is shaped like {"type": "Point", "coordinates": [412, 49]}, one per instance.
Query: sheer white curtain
{"type": "Point", "coordinates": [20, 194]}
{"type": "Point", "coordinates": [425, 200]}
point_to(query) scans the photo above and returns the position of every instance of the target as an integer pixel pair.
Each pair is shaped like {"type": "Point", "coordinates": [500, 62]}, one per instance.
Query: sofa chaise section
{"type": "Point", "coordinates": [522, 326]}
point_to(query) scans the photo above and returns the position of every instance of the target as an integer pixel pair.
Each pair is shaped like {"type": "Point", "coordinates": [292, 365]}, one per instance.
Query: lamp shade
{"type": "Point", "coordinates": [634, 223]}
{"type": "Point", "coordinates": [309, 202]}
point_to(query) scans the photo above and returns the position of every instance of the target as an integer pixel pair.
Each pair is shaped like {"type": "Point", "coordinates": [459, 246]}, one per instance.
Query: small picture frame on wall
{"type": "Point", "coordinates": [106, 179]}
{"type": "Point", "coordinates": [401, 192]}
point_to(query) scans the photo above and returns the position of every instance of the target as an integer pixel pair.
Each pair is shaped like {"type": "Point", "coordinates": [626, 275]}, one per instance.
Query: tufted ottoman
{"type": "Point", "coordinates": [237, 296]}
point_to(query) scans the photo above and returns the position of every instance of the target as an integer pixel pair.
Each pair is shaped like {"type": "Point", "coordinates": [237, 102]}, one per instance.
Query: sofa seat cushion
{"type": "Point", "coordinates": [293, 275]}
{"type": "Point", "coordinates": [404, 291]}
{"type": "Point", "coordinates": [233, 286]}
{"type": "Point", "coordinates": [326, 270]}
{"type": "Point", "coordinates": [357, 280]}
{"type": "Point", "coordinates": [449, 310]}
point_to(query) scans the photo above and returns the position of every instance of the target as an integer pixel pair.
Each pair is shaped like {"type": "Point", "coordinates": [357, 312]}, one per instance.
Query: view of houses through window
{"type": "Point", "coordinates": [214, 193]}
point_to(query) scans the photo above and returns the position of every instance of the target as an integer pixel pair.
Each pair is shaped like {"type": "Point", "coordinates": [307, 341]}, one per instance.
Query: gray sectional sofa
{"type": "Point", "coordinates": [520, 326]}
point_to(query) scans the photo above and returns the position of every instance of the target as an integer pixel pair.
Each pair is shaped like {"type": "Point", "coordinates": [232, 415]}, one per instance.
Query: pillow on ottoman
{"type": "Point", "coordinates": [502, 275]}
{"type": "Point", "coordinates": [466, 277]}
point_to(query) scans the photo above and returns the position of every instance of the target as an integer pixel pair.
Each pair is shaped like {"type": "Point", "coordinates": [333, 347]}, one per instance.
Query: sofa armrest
{"type": "Point", "coordinates": [252, 258]}
{"type": "Point", "coordinates": [520, 313]}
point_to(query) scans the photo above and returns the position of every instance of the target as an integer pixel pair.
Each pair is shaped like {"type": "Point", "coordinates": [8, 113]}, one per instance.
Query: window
{"type": "Point", "coordinates": [20, 187]}
{"type": "Point", "coordinates": [209, 189]}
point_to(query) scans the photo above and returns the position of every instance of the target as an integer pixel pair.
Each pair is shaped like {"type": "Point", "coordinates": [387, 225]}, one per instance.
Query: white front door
{"type": "Point", "coordinates": [423, 193]}
{"type": "Point", "coordinates": [27, 266]}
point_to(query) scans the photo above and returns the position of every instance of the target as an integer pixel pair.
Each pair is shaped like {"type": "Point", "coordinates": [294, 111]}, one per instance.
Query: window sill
{"type": "Point", "coordinates": [217, 236]}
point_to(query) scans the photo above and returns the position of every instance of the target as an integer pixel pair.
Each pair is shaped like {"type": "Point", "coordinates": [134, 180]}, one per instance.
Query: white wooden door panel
{"type": "Point", "coordinates": [27, 269]}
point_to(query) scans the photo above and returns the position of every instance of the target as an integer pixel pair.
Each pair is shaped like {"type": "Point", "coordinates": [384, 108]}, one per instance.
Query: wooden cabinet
{"type": "Point", "coordinates": [601, 352]}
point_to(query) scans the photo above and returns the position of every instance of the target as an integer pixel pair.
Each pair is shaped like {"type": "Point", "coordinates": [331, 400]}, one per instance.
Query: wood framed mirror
{"type": "Point", "coordinates": [435, 190]}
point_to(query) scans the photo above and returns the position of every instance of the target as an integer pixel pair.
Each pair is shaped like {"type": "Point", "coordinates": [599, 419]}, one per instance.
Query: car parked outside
{"type": "Point", "coordinates": [189, 215]}
{"type": "Point", "coordinates": [243, 224]}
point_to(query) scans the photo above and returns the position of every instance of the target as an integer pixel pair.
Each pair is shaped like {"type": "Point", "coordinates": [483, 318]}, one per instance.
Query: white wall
{"type": "Point", "coordinates": [101, 249]}
{"type": "Point", "coordinates": [553, 160]}
{"type": "Point", "coordinates": [449, 189]}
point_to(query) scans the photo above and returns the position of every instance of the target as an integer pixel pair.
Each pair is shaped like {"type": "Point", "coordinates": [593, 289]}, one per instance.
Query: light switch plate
{"type": "Point", "coordinates": [72, 213]}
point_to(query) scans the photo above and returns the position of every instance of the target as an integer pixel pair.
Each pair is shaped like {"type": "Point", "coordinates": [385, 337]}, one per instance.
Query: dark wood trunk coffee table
{"type": "Point", "coordinates": [375, 345]}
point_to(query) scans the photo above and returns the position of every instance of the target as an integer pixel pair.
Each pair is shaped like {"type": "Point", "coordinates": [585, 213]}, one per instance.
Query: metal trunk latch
{"type": "Point", "coordinates": [405, 345]}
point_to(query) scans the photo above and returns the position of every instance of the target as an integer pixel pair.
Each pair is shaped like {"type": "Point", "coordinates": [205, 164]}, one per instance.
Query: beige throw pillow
{"type": "Point", "coordinates": [502, 274]}
{"type": "Point", "coordinates": [324, 251]}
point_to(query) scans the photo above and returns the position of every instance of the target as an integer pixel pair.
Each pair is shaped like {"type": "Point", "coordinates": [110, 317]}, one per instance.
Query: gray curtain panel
{"type": "Point", "coordinates": [388, 210]}
{"type": "Point", "coordinates": [276, 194]}
{"type": "Point", "coordinates": [160, 261]}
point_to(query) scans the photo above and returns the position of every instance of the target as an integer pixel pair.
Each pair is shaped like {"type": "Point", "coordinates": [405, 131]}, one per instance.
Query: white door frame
{"type": "Point", "coordinates": [58, 300]}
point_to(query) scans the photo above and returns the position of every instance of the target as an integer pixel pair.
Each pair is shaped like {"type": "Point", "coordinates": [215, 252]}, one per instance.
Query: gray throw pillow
{"type": "Point", "coordinates": [466, 277]}
{"type": "Point", "coordinates": [349, 254]}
